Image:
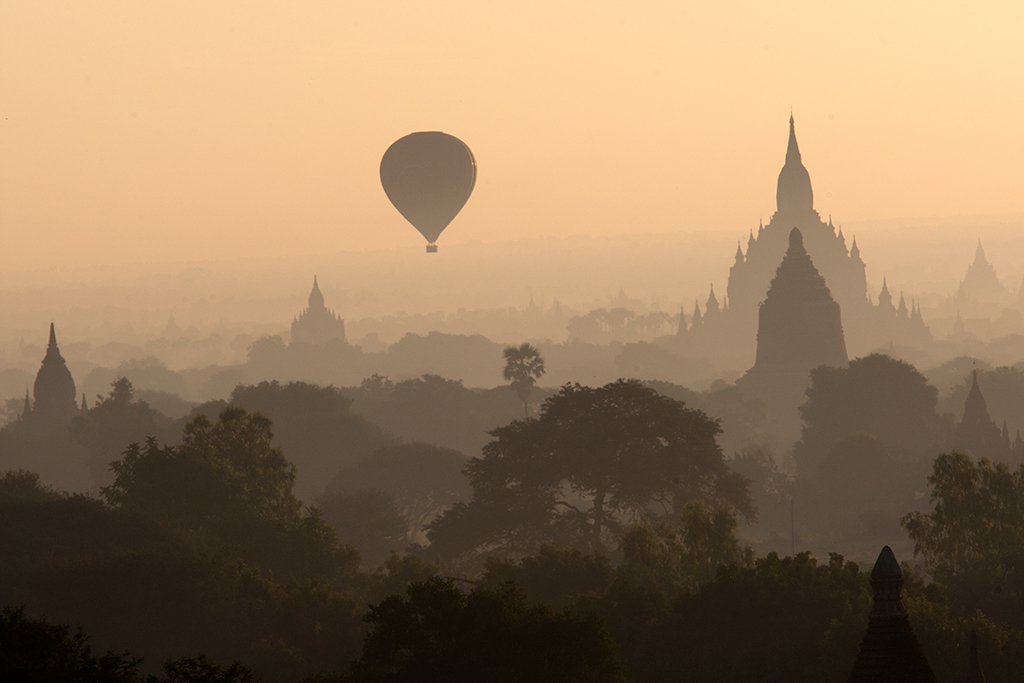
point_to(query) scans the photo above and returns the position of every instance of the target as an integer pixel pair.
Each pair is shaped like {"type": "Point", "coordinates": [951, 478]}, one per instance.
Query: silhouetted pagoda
{"type": "Point", "coordinates": [799, 328]}
{"type": "Point", "coordinates": [751, 274]}
{"type": "Point", "coordinates": [890, 652]}
{"type": "Point", "coordinates": [843, 269]}
{"type": "Point", "coordinates": [980, 284]}
{"type": "Point", "coordinates": [978, 434]}
{"type": "Point", "coordinates": [317, 325]}
{"type": "Point", "coordinates": [54, 389]}
{"type": "Point", "coordinates": [799, 323]}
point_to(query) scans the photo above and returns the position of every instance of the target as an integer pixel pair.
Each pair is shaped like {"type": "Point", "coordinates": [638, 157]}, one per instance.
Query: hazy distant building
{"type": "Point", "coordinates": [752, 272]}
{"type": "Point", "coordinates": [980, 285]}
{"type": "Point", "coordinates": [799, 323]}
{"type": "Point", "coordinates": [799, 328]}
{"type": "Point", "coordinates": [978, 434]}
{"type": "Point", "coordinates": [54, 389]}
{"type": "Point", "coordinates": [317, 325]}
{"type": "Point", "coordinates": [867, 327]}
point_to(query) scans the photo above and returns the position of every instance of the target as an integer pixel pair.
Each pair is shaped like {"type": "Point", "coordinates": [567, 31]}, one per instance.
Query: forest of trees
{"type": "Point", "coordinates": [301, 532]}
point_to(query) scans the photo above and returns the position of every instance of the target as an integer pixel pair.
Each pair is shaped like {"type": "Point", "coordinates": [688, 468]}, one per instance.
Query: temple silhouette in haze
{"type": "Point", "coordinates": [317, 325]}
{"type": "Point", "coordinates": [733, 322]}
{"type": "Point", "coordinates": [53, 391]}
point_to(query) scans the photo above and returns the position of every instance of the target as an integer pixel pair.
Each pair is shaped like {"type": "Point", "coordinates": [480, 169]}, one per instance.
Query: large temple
{"type": "Point", "coordinates": [317, 325]}
{"type": "Point", "coordinates": [752, 272]}
{"type": "Point", "coordinates": [731, 324]}
{"type": "Point", "coordinates": [800, 327]}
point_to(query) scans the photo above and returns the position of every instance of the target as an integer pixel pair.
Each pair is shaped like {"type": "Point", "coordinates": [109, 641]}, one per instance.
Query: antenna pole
{"type": "Point", "coordinates": [792, 523]}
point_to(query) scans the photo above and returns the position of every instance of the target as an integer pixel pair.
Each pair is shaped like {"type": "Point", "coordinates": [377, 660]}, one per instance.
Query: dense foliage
{"type": "Point", "coordinates": [973, 538]}
{"type": "Point", "coordinates": [592, 460]}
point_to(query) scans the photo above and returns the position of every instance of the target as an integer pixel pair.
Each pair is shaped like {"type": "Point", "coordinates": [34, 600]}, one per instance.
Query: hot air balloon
{"type": "Point", "coordinates": [428, 177]}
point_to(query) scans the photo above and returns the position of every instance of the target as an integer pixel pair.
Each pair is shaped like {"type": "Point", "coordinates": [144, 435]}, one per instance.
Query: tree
{"type": "Point", "coordinates": [523, 367]}
{"type": "Point", "coordinates": [592, 460]}
{"type": "Point", "coordinates": [115, 421]}
{"type": "Point", "coordinates": [35, 650]}
{"type": "Point", "coordinates": [879, 396]}
{"type": "Point", "coordinates": [676, 556]}
{"type": "Point", "coordinates": [316, 426]}
{"type": "Point", "coordinates": [869, 435]}
{"type": "Point", "coordinates": [438, 633]}
{"type": "Point", "coordinates": [227, 482]}
{"type": "Point", "coordinates": [420, 479]}
{"type": "Point", "coordinates": [973, 539]}
{"type": "Point", "coordinates": [368, 520]}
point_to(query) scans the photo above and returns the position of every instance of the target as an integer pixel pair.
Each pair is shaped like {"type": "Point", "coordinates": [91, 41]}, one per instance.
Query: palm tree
{"type": "Point", "coordinates": [523, 367]}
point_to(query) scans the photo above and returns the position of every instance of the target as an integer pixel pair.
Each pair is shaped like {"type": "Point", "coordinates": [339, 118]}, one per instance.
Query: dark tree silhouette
{"type": "Point", "coordinates": [593, 459]}
{"type": "Point", "coordinates": [420, 479]}
{"type": "Point", "coordinates": [368, 520]}
{"type": "Point", "coordinates": [316, 426]}
{"type": "Point", "coordinates": [880, 396]}
{"type": "Point", "coordinates": [973, 538]}
{"type": "Point", "coordinates": [439, 633]}
{"type": "Point", "coordinates": [523, 367]}
{"type": "Point", "coordinates": [227, 481]}
{"type": "Point", "coordinates": [114, 422]}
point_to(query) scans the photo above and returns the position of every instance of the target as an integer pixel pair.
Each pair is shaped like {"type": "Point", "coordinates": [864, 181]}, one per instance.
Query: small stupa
{"type": "Point", "coordinates": [890, 651]}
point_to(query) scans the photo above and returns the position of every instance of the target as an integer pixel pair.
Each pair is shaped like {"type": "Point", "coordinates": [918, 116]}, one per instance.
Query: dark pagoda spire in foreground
{"type": "Point", "coordinates": [890, 650]}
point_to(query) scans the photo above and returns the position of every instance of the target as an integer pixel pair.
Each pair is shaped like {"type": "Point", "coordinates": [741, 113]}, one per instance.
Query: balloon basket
{"type": "Point", "coordinates": [431, 248]}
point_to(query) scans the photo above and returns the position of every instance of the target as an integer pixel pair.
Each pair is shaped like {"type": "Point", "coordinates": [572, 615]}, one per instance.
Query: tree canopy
{"type": "Point", "coordinates": [438, 633]}
{"type": "Point", "coordinates": [523, 367]}
{"type": "Point", "coordinates": [592, 460]}
{"type": "Point", "coordinates": [421, 479]}
{"type": "Point", "coordinates": [973, 538]}
{"type": "Point", "coordinates": [227, 480]}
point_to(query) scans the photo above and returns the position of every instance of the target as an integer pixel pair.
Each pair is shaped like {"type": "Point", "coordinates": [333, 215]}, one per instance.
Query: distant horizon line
{"type": "Point", "coordinates": [910, 222]}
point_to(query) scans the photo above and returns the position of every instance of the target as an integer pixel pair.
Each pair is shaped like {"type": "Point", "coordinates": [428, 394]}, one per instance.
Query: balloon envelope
{"type": "Point", "coordinates": [428, 177]}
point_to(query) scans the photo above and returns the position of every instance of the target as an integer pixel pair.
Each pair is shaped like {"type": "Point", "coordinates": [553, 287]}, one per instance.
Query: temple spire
{"type": "Point", "coordinates": [316, 298]}
{"type": "Point", "coordinates": [712, 305]}
{"type": "Point", "coordinates": [794, 195]}
{"type": "Point", "coordinates": [53, 337]}
{"type": "Point", "coordinates": [792, 150]}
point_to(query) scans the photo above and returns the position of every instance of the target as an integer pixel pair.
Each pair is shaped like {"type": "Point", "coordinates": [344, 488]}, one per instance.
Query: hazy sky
{"type": "Point", "coordinates": [194, 130]}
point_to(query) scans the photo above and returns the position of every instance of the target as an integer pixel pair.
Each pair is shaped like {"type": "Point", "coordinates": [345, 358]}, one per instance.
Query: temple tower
{"type": "Point", "coordinates": [54, 388]}
{"type": "Point", "coordinates": [977, 433]}
{"type": "Point", "coordinates": [799, 323]}
{"type": "Point", "coordinates": [794, 197]}
{"type": "Point", "coordinates": [317, 325]}
{"type": "Point", "coordinates": [890, 651]}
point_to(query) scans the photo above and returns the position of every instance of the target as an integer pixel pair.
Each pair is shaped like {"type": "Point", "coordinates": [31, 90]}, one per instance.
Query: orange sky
{"type": "Point", "coordinates": [156, 131]}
